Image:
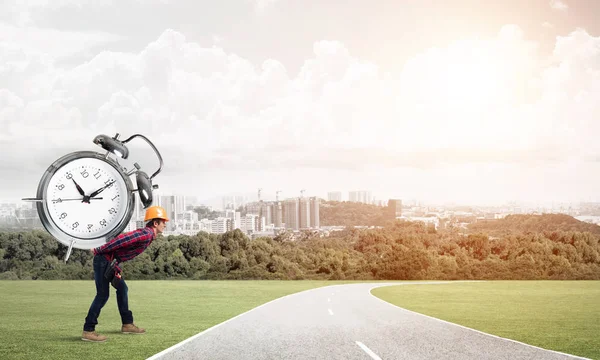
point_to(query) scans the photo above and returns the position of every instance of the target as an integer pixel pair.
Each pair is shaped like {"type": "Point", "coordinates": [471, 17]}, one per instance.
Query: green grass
{"type": "Point", "coordinates": [557, 315]}
{"type": "Point", "coordinates": [44, 319]}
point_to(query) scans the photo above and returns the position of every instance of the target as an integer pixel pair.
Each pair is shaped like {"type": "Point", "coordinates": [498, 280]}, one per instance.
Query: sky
{"type": "Point", "coordinates": [464, 101]}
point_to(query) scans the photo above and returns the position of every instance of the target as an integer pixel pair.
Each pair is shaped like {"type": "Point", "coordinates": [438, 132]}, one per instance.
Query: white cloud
{"type": "Point", "coordinates": [33, 51]}
{"type": "Point", "coordinates": [334, 97]}
{"type": "Point", "coordinates": [474, 101]}
{"type": "Point", "coordinates": [471, 94]}
{"type": "Point", "coordinates": [558, 5]}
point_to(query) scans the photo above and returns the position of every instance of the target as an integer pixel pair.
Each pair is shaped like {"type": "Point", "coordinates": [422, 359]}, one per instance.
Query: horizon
{"type": "Point", "coordinates": [216, 201]}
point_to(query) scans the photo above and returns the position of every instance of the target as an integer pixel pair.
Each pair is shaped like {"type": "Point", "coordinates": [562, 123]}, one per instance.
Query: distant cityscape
{"type": "Point", "coordinates": [261, 217]}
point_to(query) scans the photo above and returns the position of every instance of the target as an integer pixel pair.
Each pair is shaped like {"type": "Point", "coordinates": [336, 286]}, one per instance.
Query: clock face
{"type": "Point", "coordinates": [96, 216]}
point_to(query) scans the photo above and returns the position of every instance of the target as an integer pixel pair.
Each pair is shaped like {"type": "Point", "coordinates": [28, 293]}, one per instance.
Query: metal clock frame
{"type": "Point", "coordinates": [50, 225]}
{"type": "Point", "coordinates": [116, 147]}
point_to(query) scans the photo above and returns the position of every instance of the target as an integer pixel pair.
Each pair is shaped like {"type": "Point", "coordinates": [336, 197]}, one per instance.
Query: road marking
{"type": "Point", "coordinates": [330, 312]}
{"type": "Point", "coordinates": [368, 351]}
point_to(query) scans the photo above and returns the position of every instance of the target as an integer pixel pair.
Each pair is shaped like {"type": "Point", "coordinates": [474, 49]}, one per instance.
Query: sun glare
{"type": "Point", "coordinates": [458, 92]}
{"type": "Point", "coordinates": [471, 82]}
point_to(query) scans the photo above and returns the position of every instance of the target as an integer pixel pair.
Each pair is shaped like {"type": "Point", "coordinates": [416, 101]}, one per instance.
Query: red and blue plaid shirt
{"type": "Point", "coordinates": [128, 245]}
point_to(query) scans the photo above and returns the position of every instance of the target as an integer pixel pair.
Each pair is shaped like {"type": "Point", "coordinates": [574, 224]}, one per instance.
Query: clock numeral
{"type": "Point", "coordinates": [60, 186]}
{"type": "Point", "coordinates": [113, 199]}
{"type": "Point", "coordinates": [75, 225]}
{"type": "Point", "coordinates": [59, 200]}
{"type": "Point", "coordinates": [97, 175]}
{"type": "Point", "coordinates": [90, 226]}
{"type": "Point", "coordinates": [85, 174]}
{"type": "Point", "coordinates": [63, 215]}
{"type": "Point", "coordinates": [69, 175]}
{"type": "Point", "coordinates": [108, 182]}
{"type": "Point", "coordinates": [112, 211]}
{"type": "Point", "coordinates": [103, 222]}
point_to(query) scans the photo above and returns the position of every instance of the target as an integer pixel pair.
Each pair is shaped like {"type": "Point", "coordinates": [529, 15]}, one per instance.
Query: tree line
{"type": "Point", "coordinates": [528, 223]}
{"type": "Point", "coordinates": [400, 250]}
{"type": "Point", "coordinates": [346, 213]}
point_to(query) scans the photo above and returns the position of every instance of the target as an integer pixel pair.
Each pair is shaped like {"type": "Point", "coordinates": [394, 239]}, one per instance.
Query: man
{"type": "Point", "coordinates": [123, 248]}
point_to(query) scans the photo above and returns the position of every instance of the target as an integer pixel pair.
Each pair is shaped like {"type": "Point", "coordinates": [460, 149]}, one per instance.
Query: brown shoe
{"type": "Point", "coordinates": [92, 336]}
{"type": "Point", "coordinates": [131, 329]}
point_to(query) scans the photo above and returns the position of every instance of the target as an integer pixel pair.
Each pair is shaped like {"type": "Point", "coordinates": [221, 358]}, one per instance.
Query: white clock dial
{"type": "Point", "coordinates": [103, 212]}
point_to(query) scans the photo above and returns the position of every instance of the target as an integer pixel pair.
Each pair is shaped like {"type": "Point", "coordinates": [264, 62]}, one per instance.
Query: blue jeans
{"type": "Point", "coordinates": [102, 294]}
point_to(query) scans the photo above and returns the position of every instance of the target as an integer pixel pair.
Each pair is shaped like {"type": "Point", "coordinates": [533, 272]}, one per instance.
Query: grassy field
{"type": "Point", "coordinates": [44, 319]}
{"type": "Point", "coordinates": [558, 315]}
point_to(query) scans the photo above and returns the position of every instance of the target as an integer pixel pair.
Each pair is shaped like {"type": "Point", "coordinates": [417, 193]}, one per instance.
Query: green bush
{"type": "Point", "coordinates": [8, 275]}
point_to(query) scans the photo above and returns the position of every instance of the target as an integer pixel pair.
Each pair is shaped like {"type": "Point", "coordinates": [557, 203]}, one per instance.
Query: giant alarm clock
{"type": "Point", "coordinates": [86, 198]}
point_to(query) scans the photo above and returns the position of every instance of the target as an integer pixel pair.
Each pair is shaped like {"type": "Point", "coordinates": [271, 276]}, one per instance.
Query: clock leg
{"type": "Point", "coordinates": [69, 250]}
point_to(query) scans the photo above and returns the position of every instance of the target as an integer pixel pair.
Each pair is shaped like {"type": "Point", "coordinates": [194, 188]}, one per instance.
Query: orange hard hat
{"type": "Point", "coordinates": [156, 212]}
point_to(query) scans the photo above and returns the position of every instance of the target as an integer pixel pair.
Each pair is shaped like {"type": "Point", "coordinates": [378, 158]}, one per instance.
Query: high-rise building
{"type": "Point", "coordinates": [179, 205]}
{"type": "Point", "coordinates": [168, 203]}
{"type": "Point", "coordinates": [360, 197]}
{"type": "Point", "coordinates": [268, 214]}
{"type": "Point", "coordinates": [174, 205]}
{"type": "Point", "coordinates": [250, 223]}
{"type": "Point", "coordinates": [394, 208]}
{"type": "Point", "coordinates": [237, 222]}
{"type": "Point", "coordinates": [300, 213]}
{"type": "Point", "coordinates": [314, 212]}
{"type": "Point", "coordinates": [233, 202]}
{"type": "Point", "coordinates": [263, 210]}
{"type": "Point", "coordinates": [277, 214]}
{"type": "Point", "coordinates": [221, 225]}
{"type": "Point", "coordinates": [138, 210]}
{"type": "Point", "coordinates": [291, 213]}
{"type": "Point", "coordinates": [304, 213]}
{"type": "Point", "coordinates": [334, 196]}
{"type": "Point", "coordinates": [230, 214]}
{"type": "Point", "coordinates": [253, 208]}
{"type": "Point", "coordinates": [190, 215]}
{"type": "Point", "coordinates": [156, 198]}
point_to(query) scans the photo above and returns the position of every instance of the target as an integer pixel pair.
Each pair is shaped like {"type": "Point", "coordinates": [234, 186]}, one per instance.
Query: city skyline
{"type": "Point", "coordinates": [268, 218]}
{"type": "Point", "coordinates": [461, 102]}
{"type": "Point", "coordinates": [217, 200]}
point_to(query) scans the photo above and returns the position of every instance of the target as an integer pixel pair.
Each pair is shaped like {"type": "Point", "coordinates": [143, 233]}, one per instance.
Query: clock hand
{"type": "Point", "coordinates": [81, 192]}
{"type": "Point", "coordinates": [61, 200]}
{"type": "Point", "coordinates": [101, 189]}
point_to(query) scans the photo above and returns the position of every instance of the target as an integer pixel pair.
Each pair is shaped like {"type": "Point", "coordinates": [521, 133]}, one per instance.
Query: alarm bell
{"type": "Point", "coordinates": [118, 148]}
{"type": "Point", "coordinates": [145, 187]}
{"type": "Point", "coordinates": [112, 145]}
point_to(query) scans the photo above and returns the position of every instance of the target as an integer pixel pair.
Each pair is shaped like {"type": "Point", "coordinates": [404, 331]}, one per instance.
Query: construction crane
{"type": "Point", "coordinates": [259, 190]}
{"type": "Point", "coordinates": [277, 195]}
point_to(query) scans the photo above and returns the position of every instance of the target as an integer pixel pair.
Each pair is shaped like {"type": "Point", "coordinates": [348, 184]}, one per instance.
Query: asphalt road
{"type": "Point", "coordinates": [345, 322]}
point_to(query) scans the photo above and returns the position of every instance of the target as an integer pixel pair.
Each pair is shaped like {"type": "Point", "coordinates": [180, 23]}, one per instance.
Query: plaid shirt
{"type": "Point", "coordinates": [126, 246]}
